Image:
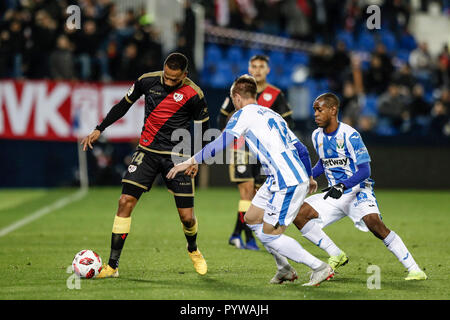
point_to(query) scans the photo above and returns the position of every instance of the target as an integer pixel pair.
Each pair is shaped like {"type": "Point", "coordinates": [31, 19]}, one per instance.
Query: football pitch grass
{"type": "Point", "coordinates": [155, 265]}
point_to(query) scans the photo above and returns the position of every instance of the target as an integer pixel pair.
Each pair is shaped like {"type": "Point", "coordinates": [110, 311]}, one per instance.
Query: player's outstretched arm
{"type": "Point", "coordinates": [318, 169]}
{"type": "Point", "coordinates": [209, 151]}
{"type": "Point", "coordinates": [90, 139]}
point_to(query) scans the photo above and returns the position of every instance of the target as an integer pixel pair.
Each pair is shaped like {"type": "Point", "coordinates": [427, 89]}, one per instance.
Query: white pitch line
{"type": "Point", "coordinates": [43, 211]}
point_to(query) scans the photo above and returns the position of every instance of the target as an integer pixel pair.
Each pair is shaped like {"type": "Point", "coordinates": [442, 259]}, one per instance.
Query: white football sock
{"type": "Point", "coordinates": [315, 234]}
{"type": "Point", "coordinates": [395, 244]}
{"type": "Point", "coordinates": [282, 262]}
{"type": "Point", "coordinates": [291, 249]}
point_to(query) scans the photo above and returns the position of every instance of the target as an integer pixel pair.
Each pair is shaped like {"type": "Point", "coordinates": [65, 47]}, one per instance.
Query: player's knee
{"type": "Point", "coordinates": [305, 214]}
{"type": "Point", "coordinates": [376, 226]}
{"type": "Point", "coordinates": [188, 221]}
{"type": "Point", "coordinates": [247, 190]}
{"type": "Point", "coordinates": [252, 219]}
{"type": "Point", "coordinates": [126, 204]}
{"type": "Point", "coordinates": [187, 216]}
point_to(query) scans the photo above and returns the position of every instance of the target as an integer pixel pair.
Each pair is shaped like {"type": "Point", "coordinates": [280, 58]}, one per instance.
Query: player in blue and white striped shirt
{"type": "Point", "coordinates": [345, 161]}
{"type": "Point", "coordinates": [288, 167]}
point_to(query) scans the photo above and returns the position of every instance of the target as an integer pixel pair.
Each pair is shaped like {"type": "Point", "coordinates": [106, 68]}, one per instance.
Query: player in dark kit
{"type": "Point", "coordinates": [244, 170]}
{"type": "Point", "coordinates": [171, 101]}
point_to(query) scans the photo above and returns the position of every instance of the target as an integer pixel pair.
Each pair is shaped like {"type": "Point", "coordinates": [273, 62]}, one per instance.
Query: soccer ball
{"type": "Point", "coordinates": [87, 264]}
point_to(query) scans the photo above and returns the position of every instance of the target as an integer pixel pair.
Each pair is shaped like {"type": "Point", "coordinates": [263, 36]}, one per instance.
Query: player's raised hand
{"type": "Point", "coordinates": [90, 139]}
{"type": "Point", "coordinates": [335, 191]}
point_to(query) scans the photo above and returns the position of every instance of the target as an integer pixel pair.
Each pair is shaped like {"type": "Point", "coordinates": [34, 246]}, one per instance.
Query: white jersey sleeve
{"type": "Point", "coordinates": [357, 148]}
{"type": "Point", "coordinates": [237, 125]}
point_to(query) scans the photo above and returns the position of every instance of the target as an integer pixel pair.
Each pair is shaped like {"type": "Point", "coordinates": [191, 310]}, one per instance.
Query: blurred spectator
{"type": "Point", "coordinates": [441, 75]}
{"type": "Point", "coordinates": [242, 15]}
{"type": "Point", "coordinates": [339, 66]}
{"type": "Point", "coordinates": [350, 105]}
{"type": "Point", "coordinates": [444, 56]}
{"type": "Point", "coordinates": [440, 120]}
{"type": "Point", "coordinates": [320, 61]}
{"type": "Point", "coordinates": [325, 18]}
{"type": "Point", "coordinates": [269, 16]}
{"type": "Point", "coordinates": [297, 15]}
{"type": "Point", "coordinates": [405, 79]}
{"type": "Point", "coordinates": [87, 46]}
{"type": "Point", "coordinates": [419, 110]}
{"type": "Point", "coordinates": [62, 60]}
{"type": "Point", "coordinates": [385, 58]}
{"type": "Point", "coordinates": [149, 47]}
{"type": "Point", "coordinates": [418, 106]}
{"type": "Point", "coordinates": [320, 20]}
{"type": "Point", "coordinates": [421, 61]}
{"type": "Point", "coordinates": [397, 14]}
{"type": "Point", "coordinates": [186, 38]}
{"type": "Point", "coordinates": [376, 77]}
{"type": "Point", "coordinates": [130, 67]}
{"type": "Point", "coordinates": [445, 97]}
{"type": "Point", "coordinates": [11, 48]}
{"type": "Point", "coordinates": [392, 108]}
{"type": "Point", "coordinates": [43, 37]}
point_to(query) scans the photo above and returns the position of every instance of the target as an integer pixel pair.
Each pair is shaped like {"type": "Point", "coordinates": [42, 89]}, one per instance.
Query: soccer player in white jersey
{"type": "Point", "coordinates": [288, 167]}
{"type": "Point", "coordinates": [345, 161]}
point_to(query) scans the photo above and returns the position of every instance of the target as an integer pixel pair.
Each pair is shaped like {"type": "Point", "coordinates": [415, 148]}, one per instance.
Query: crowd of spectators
{"type": "Point", "coordinates": [411, 96]}
{"type": "Point", "coordinates": [380, 91]}
{"type": "Point", "coordinates": [36, 42]}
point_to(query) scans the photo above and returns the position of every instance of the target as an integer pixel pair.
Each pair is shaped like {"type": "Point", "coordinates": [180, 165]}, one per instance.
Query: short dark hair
{"type": "Point", "coordinates": [330, 98]}
{"type": "Point", "coordinates": [261, 57]}
{"type": "Point", "coordinates": [177, 61]}
{"type": "Point", "coordinates": [245, 86]}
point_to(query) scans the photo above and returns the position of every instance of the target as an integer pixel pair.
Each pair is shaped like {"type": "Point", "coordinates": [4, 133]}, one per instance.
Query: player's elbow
{"type": "Point", "coordinates": [365, 169]}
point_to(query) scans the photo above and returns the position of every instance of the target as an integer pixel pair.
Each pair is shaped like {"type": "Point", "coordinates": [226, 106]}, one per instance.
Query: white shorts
{"type": "Point", "coordinates": [280, 207]}
{"type": "Point", "coordinates": [355, 204]}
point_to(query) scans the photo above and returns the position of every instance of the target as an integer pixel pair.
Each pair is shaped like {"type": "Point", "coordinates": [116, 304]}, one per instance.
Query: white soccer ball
{"type": "Point", "coordinates": [87, 264]}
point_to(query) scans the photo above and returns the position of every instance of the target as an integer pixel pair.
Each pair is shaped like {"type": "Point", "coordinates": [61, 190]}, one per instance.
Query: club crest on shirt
{"type": "Point", "coordinates": [132, 168]}
{"type": "Point", "coordinates": [340, 143]}
{"type": "Point", "coordinates": [177, 97]}
{"type": "Point", "coordinates": [241, 168]}
{"type": "Point", "coordinates": [267, 96]}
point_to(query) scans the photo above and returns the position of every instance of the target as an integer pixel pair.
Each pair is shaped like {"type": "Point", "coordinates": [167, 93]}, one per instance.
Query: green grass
{"type": "Point", "coordinates": [155, 265]}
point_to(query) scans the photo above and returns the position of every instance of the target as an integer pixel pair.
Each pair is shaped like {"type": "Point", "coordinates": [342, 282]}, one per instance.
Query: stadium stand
{"type": "Point", "coordinates": [115, 45]}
